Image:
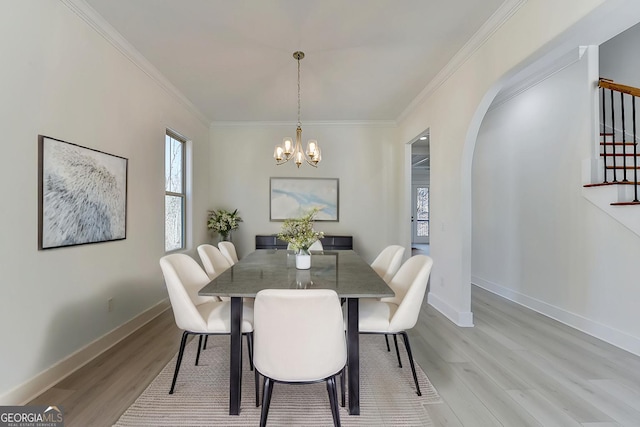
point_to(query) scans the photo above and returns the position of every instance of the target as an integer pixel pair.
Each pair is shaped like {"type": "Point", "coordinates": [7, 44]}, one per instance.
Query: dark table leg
{"type": "Point", "coordinates": [353, 362]}
{"type": "Point", "coordinates": [235, 381]}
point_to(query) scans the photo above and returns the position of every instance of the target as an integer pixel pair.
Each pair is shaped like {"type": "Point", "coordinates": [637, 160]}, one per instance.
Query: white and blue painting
{"type": "Point", "coordinates": [83, 195]}
{"type": "Point", "coordinates": [293, 197]}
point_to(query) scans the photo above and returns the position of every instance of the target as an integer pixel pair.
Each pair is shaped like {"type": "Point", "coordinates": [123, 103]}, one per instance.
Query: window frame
{"type": "Point", "coordinates": [183, 185]}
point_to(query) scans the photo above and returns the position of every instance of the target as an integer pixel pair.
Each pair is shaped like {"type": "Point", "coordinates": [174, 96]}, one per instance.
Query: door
{"type": "Point", "coordinates": [420, 214]}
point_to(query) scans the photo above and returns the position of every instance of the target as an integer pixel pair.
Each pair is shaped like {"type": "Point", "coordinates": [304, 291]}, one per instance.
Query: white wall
{"type": "Point", "coordinates": [536, 240]}
{"type": "Point", "coordinates": [453, 111]}
{"type": "Point", "coordinates": [60, 78]}
{"type": "Point", "coordinates": [361, 156]}
{"type": "Point", "coordinates": [619, 60]}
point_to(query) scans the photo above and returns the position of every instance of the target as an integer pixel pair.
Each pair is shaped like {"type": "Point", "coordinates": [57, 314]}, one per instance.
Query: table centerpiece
{"type": "Point", "coordinates": [300, 235]}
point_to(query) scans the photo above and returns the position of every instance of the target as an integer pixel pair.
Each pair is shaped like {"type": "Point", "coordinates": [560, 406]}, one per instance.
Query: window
{"type": "Point", "coordinates": [175, 194]}
{"type": "Point", "coordinates": [422, 219]}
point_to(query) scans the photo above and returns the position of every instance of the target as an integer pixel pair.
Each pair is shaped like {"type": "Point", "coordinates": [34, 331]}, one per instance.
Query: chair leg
{"type": "Point", "coordinates": [250, 349]}
{"type": "Point", "coordinates": [342, 386]}
{"type": "Point", "coordinates": [185, 334]}
{"type": "Point", "coordinates": [395, 340]}
{"type": "Point", "coordinates": [267, 388]}
{"type": "Point", "coordinates": [386, 339]}
{"type": "Point", "coordinates": [206, 339]}
{"type": "Point", "coordinates": [257, 383]}
{"type": "Point", "coordinates": [413, 366]}
{"type": "Point", "coordinates": [199, 347]}
{"type": "Point", "coordinates": [333, 400]}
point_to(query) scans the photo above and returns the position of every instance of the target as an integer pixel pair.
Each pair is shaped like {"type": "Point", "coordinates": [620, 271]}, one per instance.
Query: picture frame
{"type": "Point", "coordinates": [293, 197]}
{"type": "Point", "coordinates": [82, 195]}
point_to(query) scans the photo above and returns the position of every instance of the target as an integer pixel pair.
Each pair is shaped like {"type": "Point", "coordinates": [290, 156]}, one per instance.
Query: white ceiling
{"type": "Point", "coordinates": [365, 59]}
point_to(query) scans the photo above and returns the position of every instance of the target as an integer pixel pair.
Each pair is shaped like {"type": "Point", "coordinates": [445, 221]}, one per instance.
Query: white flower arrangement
{"type": "Point", "coordinates": [299, 232]}
{"type": "Point", "coordinates": [222, 221]}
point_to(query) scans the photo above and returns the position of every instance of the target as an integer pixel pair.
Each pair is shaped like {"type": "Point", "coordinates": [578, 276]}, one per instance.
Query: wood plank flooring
{"type": "Point", "coordinates": [514, 368]}
{"type": "Point", "coordinates": [99, 392]}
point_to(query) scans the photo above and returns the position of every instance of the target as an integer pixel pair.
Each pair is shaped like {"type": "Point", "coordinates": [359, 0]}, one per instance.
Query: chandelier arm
{"type": "Point", "coordinates": [285, 159]}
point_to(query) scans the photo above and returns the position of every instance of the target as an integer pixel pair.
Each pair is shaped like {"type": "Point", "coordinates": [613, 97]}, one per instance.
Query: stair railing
{"type": "Point", "coordinates": [627, 93]}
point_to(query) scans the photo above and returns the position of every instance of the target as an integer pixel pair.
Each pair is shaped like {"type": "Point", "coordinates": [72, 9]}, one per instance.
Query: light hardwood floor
{"type": "Point", "coordinates": [514, 368]}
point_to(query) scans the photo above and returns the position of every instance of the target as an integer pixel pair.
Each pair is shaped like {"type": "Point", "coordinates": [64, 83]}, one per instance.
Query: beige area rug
{"type": "Point", "coordinates": [387, 393]}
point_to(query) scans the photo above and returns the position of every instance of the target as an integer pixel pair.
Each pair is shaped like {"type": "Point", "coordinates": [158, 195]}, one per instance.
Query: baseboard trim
{"type": "Point", "coordinates": [460, 318]}
{"type": "Point", "coordinates": [46, 379]}
{"type": "Point", "coordinates": [603, 332]}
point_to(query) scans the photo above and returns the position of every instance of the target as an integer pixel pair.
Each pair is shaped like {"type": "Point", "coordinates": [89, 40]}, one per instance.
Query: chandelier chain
{"type": "Point", "coordinates": [299, 91]}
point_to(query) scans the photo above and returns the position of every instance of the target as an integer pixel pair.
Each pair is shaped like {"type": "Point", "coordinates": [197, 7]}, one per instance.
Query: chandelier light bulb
{"type": "Point", "coordinates": [277, 154]}
{"type": "Point", "coordinates": [312, 146]}
{"type": "Point", "coordinates": [288, 145]}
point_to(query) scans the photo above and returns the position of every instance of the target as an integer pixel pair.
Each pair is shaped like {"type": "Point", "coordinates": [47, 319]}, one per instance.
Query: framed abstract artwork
{"type": "Point", "coordinates": [293, 197]}
{"type": "Point", "coordinates": [82, 195]}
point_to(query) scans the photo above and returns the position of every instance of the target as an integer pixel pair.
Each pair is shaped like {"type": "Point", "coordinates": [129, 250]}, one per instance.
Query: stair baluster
{"type": "Point", "coordinates": [635, 152]}
{"type": "Point", "coordinates": [613, 140]}
{"type": "Point", "coordinates": [624, 140]}
{"type": "Point", "coordinates": [604, 134]}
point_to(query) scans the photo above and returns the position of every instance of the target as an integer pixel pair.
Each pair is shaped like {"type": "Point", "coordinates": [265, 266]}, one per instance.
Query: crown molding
{"type": "Point", "coordinates": [495, 21]}
{"type": "Point", "coordinates": [372, 123]}
{"type": "Point", "coordinates": [102, 27]}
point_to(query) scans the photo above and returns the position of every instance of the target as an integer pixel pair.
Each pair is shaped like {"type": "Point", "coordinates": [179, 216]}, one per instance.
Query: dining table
{"type": "Point", "coordinates": [342, 270]}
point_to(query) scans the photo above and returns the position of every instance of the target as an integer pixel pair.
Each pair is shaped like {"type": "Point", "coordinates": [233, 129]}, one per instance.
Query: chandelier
{"type": "Point", "coordinates": [287, 150]}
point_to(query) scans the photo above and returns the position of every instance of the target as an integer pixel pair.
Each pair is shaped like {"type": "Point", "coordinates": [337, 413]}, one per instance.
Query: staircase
{"type": "Point", "coordinates": [619, 142]}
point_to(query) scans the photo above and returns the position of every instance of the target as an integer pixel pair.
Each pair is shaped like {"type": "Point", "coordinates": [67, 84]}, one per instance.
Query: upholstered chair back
{"type": "Point", "coordinates": [213, 261]}
{"type": "Point", "coordinates": [184, 278]}
{"type": "Point", "coordinates": [315, 246]}
{"type": "Point", "coordinates": [388, 262]}
{"type": "Point", "coordinates": [228, 249]}
{"type": "Point", "coordinates": [410, 285]}
{"type": "Point", "coordinates": [298, 334]}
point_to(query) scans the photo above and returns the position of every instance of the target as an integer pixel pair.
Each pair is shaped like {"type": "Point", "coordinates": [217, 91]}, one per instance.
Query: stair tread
{"type": "Point", "coordinates": [618, 154]}
{"type": "Point", "coordinates": [602, 184]}
{"type": "Point", "coordinates": [618, 143]}
{"type": "Point", "coordinates": [625, 203]}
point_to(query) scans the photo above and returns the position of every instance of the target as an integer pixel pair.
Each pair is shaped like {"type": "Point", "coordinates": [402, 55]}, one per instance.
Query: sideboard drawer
{"type": "Point", "coordinates": [330, 243]}
{"type": "Point", "coordinates": [270, 242]}
{"type": "Point", "coordinates": [333, 243]}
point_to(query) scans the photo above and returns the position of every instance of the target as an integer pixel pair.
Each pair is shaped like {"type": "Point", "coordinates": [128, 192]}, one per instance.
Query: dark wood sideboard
{"type": "Point", "coordinates": [329, 243]}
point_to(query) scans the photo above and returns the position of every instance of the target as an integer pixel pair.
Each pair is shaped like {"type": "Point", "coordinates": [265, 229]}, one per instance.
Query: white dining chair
{"type": "Point", "coordinates": [298, 338]}
{"type": "Point", "coordinates": [400, 313]}
{"type": "Point", "coordinates": [213, 261]}
{"type": "Point", "coordinates": [194, 314]}
{"type": "Point", "coordinates": [228, 249]}
{"type": "Point", "coordinates": [386, 265]}
{"type": "Point", "coordinates": [388, 262]}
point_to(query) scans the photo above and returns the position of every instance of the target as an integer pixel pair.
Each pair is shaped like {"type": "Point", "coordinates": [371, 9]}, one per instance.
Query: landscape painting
{"type": "Point", "coordinates": [293, 197]}
{"type": "Point", "coordinates": [82, 195]}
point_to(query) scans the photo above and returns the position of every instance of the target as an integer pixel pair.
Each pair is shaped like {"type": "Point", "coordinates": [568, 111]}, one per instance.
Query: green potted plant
{"type": "Point", "coordinates": [223, 222]}
{"type": "Point", "coordinates": [300, 235]}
